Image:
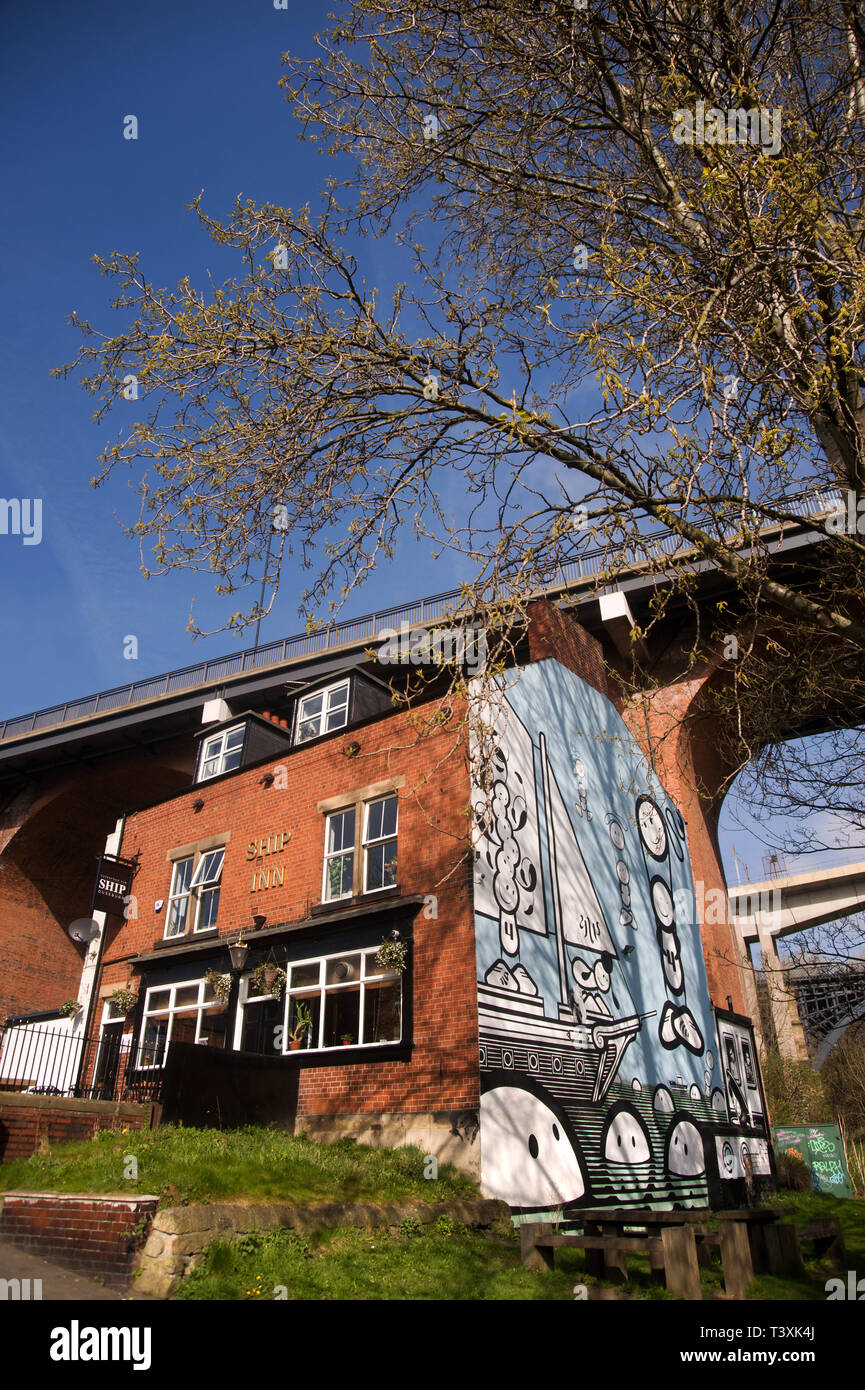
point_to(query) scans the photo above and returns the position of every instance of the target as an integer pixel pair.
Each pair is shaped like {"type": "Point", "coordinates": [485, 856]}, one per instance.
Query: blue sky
{"type": "Point", "coordinates": [202, 79]}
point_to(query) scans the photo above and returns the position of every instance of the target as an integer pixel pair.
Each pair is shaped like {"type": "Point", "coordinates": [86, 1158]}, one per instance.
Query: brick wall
{"type": "Point", "coordinates": [553, 633]}
{"type": "Point", "coordinates": [98, 1236]}
{"type": "Point", "coordinates": [27, 1122]}
{"type": "Point", "coordinates": [49, 841]}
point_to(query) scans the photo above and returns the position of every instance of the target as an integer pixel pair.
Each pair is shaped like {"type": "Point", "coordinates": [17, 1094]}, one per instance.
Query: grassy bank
{"type": "Point", "coordinates": [448, 1262]}
{"type": "Point", "coordinates": [256, 1165]}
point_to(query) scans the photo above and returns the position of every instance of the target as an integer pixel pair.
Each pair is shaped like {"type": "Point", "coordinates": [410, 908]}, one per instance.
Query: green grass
{"type": "Point", "coordinates": [448, 1262]}
{"type": "Point", "coordinates": [254, 1164]}
{"type": "Point", "coordinates": [375, 1265]}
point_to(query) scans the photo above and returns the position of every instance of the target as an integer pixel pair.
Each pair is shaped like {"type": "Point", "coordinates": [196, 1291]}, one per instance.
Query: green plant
{"type": "Point", "coordinates": [409, 1226]}
{"type": "Point", "coordinates": [392, 955]}
{"type": "Point", "coordinates": [444, 1225]}
{"type": "Point", "coordinates": [123, 1000]}
{"type": "Point", "coordinates": [346, 1037]}
{"type": "Point", "coordinates": [219, 983]}
{"type": "Point", "coordinates": [302, 1020]}
{"type": "Point", "coordinates": [793, 1172]}
{"type": "Point", "coordinates": [269, 979]}
{"type": "Point", "coordinates": [69, 1008]}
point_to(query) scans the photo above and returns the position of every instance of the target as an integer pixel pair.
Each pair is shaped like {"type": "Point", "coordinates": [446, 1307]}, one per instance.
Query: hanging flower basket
{"type": "Point", "coordinates": [124, 1000]}
{"type": "Point", "coordinates": [69, 1008]}
{"type": "Point", "coordinates": [392, 955]}
{"type": "Point", "coordinates": [269, 979]}
{"type": "Point", "coordinates": [220, 984]}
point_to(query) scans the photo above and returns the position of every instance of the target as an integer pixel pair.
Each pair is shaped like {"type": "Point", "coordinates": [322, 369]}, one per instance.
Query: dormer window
{"type": "Point", "coordinates": [322, 712]}
{"type": "Point", "coordinates": [221, 753]}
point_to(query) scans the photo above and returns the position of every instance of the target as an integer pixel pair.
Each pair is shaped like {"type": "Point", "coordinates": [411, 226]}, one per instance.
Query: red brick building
{"type": "Point", "coordinates": [333, 844]}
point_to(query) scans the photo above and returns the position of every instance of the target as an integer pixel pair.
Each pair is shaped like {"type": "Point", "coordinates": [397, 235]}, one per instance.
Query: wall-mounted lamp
{"type": "Point", "coordinates": [238, 951]}
{"type": "Point", "coordinates": [267, 780]}
{"type": "Point", "coordinates": [198, 804]}
{"type": "Point", "coordinates": [258, 921]}
{"type": "Point", "coordinates": [394, 934]}
{"type": "Point", "coordinates": [729, 1003]}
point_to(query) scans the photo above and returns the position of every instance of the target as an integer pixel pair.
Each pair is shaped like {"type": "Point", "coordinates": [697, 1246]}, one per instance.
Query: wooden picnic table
{"type": "Point", "coordinates": [676, 1241]}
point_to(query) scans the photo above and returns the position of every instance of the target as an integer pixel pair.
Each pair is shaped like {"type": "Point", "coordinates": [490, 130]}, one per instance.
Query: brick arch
{"type": "Point", "coordinates": [50, 837]}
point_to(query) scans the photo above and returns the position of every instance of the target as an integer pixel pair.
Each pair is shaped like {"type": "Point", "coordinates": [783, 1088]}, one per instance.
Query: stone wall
{"type": "Point", "coordinates": [179, 1235]}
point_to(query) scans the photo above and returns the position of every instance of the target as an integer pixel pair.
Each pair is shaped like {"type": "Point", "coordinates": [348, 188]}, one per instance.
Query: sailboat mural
{"type": "Point", "coordinates": [579, 966]}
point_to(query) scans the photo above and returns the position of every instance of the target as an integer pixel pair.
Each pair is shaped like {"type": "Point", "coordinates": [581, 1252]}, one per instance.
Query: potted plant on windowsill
{"type": "Point", "coordinates": [123, 1000]}
{"type": "Point", "coordinates": [69, 1008]}
{"type": "Point", "coordinates": [219, 983]}
{"type": "Point", "coordinates": [346, 1039]}
{"type": "Point", "coordinates": [302, 1025]}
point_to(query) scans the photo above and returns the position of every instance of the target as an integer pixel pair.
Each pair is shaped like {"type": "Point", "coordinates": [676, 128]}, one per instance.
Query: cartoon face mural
{"type": "Point", "coordinates": [685, 1154]}
{"type": "Point", "coordinates": [527, 1158]}
{"type": "Point", "coordinates": [587, 948]}
{"type": "Point", "coordinates": [625, 1138]}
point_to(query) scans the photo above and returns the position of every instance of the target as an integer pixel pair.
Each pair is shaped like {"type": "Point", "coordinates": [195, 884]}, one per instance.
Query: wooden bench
{"type": "Point", "coordinates": [749, 1239]}
{"type": "Point", "coordinates": [673, 1252]}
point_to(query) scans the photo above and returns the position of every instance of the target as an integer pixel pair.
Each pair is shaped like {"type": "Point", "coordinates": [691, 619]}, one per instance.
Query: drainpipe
{"type": "Point", "coordinates": [92, 968]}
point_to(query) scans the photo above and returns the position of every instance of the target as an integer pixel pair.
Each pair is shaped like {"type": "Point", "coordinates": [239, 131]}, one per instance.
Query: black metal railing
{"type": "Point", "coordinates": [587, 567]}
{"type": "Point", "coordinates": [52, 1059]}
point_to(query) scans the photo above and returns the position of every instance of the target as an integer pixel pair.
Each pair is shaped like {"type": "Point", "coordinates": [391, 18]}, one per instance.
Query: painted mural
{"type": "Point", "coordinates": [741, 1156]}
{"type": "Point", "coordinates": [597, 1041]}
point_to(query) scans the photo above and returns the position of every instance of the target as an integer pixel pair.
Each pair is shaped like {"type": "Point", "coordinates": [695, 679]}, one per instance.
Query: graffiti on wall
{"type": "Point", "coordinates": [596, 1032]}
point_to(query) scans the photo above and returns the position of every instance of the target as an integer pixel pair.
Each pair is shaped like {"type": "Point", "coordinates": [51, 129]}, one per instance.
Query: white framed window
{"type": "Point", "coordinates": [221, 753]}
{"type": "Point", "coordinates": [351, 1003]}
{"type": "Point", "coordinates": [322, 712]}
{"type": "Point", "coordinates": [178, 897]}
{"type": "Point", "coordinates": [193, 899]}
{"type": "Point", "coordinates": [360, 849]}
{"type": "Point", "coordinates": [205, 884]}
{"type": "Point", "coordinates": [339, 855]}
{"type": "Point", "coordinates": [379, 844]}
{"type": "Point", "coordinates": [185, 1012]}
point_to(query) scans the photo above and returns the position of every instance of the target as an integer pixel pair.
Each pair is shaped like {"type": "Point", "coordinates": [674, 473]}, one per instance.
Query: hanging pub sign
{"type": "Point", "coordinates": [113, 884]}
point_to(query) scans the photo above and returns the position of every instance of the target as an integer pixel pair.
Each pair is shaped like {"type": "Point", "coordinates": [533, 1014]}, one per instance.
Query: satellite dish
{"type": "Point", "coordinates": [84, 929]}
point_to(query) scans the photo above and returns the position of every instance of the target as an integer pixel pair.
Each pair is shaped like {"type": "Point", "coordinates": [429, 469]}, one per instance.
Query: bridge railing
{"type": "Point", "coordinates": [350, 630]}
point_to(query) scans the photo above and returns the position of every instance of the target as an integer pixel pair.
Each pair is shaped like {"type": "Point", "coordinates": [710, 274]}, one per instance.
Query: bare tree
{"type": "Point", "coordinates": [629, 294]}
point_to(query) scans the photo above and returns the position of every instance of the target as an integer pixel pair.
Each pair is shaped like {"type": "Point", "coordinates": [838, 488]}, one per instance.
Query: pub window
{"type": "Point", "coordinates": [360, 853]}
{"type": "Point", "coordinates": [221, 753]}
{"type": "Point", "coordinates": [351, 1003]}
{"type": "Point", "coordinates": [322, 712]}
{"type": "Point", "coordinates": [193, 899]}
{"type": "Point", "coordinates": [189, 1012]}
{"type": "Point", "coordinates": [178, 898]}
{"type": "Point", "coordinates": [379, 842]}
{"type": "Point", "coordinates": [205, 884]}
{"type": "Point", "coordinates": [339, 856]}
